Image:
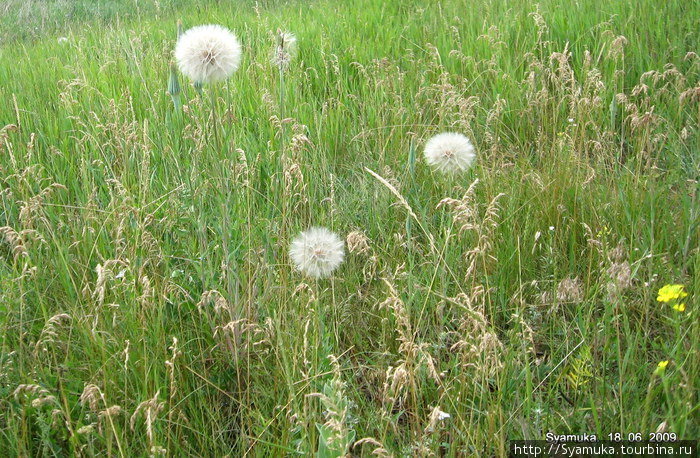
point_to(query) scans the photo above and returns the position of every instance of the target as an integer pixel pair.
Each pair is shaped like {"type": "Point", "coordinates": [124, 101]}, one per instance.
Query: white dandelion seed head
{"type": "Point", "coordinates": [449, 152]}
{"type": "Point", "coordinates": [317, 252]}
{"type": "Point", "coordinates": [284, 50]}
{"type": "Point", "coordinates": [287, 40]}
{"type": "Point", "coordinates": [208, 53]}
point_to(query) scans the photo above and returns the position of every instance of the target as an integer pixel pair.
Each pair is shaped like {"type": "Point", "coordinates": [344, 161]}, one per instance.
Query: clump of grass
{"type": "Point", "coordinates": [149, 301]}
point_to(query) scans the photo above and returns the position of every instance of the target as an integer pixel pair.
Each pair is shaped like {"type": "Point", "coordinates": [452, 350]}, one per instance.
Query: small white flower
{"type": "Point", "coordinates": [208, 53]}
{"type": "Point", "coordinates": [449, 152]}
{"type": "Point", "coordinates": [317, 252]}
{"type": "Point", "coordinates": [436, 416]}
{"type": "Point", "coordinates": [551, 228]}
{"type": "Point", "coordinates": [571, 119]}
{"type": "Point", "coordinates": [62, 40]}
{"type": "Point", "coordinates": [87, 429]}
{"type": "Point", "coordinates": [443, 415]}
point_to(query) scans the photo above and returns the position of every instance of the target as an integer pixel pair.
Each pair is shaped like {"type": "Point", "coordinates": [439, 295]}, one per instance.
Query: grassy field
{"type": "Point", "coordinates": [148, 305]}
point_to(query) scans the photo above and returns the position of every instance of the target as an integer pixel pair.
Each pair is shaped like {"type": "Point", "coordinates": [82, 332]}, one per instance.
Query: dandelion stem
{"type": "Point", "coordinates": [283, 126]}
{"type": "Point", "coordinates": [215, 119]}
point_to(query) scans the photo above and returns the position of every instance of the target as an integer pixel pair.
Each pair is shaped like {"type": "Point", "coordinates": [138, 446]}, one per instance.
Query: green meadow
{"type": "Point", "coordinates": [148, 302]}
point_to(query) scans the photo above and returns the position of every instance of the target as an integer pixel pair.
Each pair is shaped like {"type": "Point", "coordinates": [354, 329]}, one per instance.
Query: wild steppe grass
{"type": "Point", "coordinates": [147, 300]}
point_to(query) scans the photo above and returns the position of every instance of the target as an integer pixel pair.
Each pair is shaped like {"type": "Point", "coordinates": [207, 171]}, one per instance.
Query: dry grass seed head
{"type": "Point", "coordinates": [570, 290]}
{"type": "Point", "coordinates": [337, 411]}
{"type": "Point", "coordinates": [91, 396]}
{"type": "Point", "coordinates": [617, 47]}
{"type": "Point", "coordinates": [30, 210]}
{"type": "Point", "coordinates": [294, 183]}
{"type": "Point", "coordinates": [214, 300]}
{"type": "Point", "coordinates": [40, 396]}
{"type": "Point", "coordinates": [14, 241]}
{"type": "Point", "coordinates": [479, 345]}
{"type": "Point", "coordinates": [464, 210]}
{"type": "Point", "coordinates": [49, 334]}
{"type": "Point", "coordinates": [436, 417]}
{"type": "Point", "coordinates": [260, 335]}
{"type": "Point", "coordinates": [149, 409]}
{"type": "Point", "coordinates": [379, 450]}
{"type": "Point", "coordinates": [357, 242]}
{"type": "Point", "coordinates": [620, 274]}
{"type": "Point", "coordinates": [107, 415]}
{"type": "Point", "coordinates": [106, 273]}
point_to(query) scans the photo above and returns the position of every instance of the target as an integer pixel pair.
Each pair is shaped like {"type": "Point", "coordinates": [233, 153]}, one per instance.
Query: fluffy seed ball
{"type": "Point", "coordinates": [285, 50]}
{"type": "Point", "coordinates": [317, 252]}
{"type": "Point", "coordinates": [449, 152]}
{"type": "Point", "coordinates": [208, 53]}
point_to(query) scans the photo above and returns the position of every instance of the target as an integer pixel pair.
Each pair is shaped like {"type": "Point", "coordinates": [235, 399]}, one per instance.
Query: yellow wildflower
{"type": "Point", "coordinates": [661, 368]}
{"type": "Point", "coordinates": [679, 307]}
{"type": "Point", "coordinates": [670, 293]}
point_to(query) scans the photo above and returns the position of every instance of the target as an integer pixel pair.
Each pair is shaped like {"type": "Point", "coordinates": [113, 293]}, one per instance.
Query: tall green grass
{"type": "Point", "coordinates": [525, 304]}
